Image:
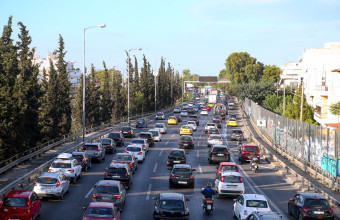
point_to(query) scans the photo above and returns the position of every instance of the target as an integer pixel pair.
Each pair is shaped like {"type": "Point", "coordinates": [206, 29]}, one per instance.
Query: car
{"type": "Point", "coordinates": [141, 141]}
{"type": "Point", "coordinates": [213, 131]}
{"type": "Point", "coordinates": [147, 136]}
{"type": "Point", "coordinates": [182, 174]}
{"type": "Point", "coordinates": [232, 116]}
{"type": "Point", "coordinates": [101, 210]}
{"type": "Point", "coordinates": [83, 159]}
{"type": "Point", "coordinates": [197, 98]}
{"type": "Point", "coordinates": [64, 156]}
{"type": "Point", "coordinates": [170, 206]}
{"type": "Point", "coordinates": [231, 106]}
{"type": "Point", "coordinates": [246, 204]}
{"type": "Point", "coordinates": [179, 117]}
{"type": "Point", "coordinates": [95, 151]}
{"type": "Point", "coordinates": [121, 172]}
{"type": "Point", "coordinates": [207, 107]}
{"type": "Point", "coordinates": [227, 167]}
{"type": "Point", "coordinates": [117, 137]}
{"type": "Point", "coordinates": [211, 105]}
{"type": "Point", "coordinates": [185, 130]}
{"type": "Point", "coordinates": [177, 110]}
{"type": "Point", "coordinates": [191, 110]}
{"type": "Point", "coordinates": [236, 134]}
{"type": "Point", "coordinates": [137, 150]}
{"type": "Point", "coordinates": [195, 108]}
{"type": "Point", "coordinates": [172, 120]}
{"type": "Point", "coordinates": [127, 158]}
{"type": "Point", "coordinates": [157, 136]}
{"type": "Point", "coordinates": [141, 123]}
{"type": "Point", "coordinates": [128, 132]}
{"type": "Point", "coordinates": [217, 117]}
{"type": "Point", "coordinates": [186, 141]}
{"type": "Point", "coordinates": [204, 112]}
{"type": "Point", "coordinates": [217, 122]}
{"type": "Point", "coordinates": [246, 151]}
{"type": "Point", "coordinates": [194, 118]}
{"type": "Point", "coordinates": [185, 105]}
{"type": "Point", "coordinates": [229, 184]}
{"type": "Point", "coordinates": [192, 124]}
{"type": "Point", "coordinates": [208, 126]}
{"type": "Point", "coordinates": [20, 204]}
{"type": "Point", "coordinates": [215, 139]}
{"type": "Point", "coordinates": [219, 153]}
{"type": "Point", "coordinates": [184, 113]}
{"type": "Point", "coordinates": [70, 168]}
{"type": "Point", "coordinates": [160, 116]}
{"type": "Point", "coordinates": [161, 127]}
{"type": "Point", "coordinates": [265, 215]}
{"type": "Point", "coordinates": [176, 156]}
{"type": "Point", "coordinates": [310, 206]}
{"type": "Point", "coordinates": [232, 122]}
{"type": "Point", "coordinates": [108, 144]}
{"type": "Point", "coordinates": [109, 191]}
{"type": "Point", "coordinates": [51, 184]}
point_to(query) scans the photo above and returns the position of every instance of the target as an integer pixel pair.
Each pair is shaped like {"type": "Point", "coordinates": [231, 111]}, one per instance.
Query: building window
{"type": "Point", "coordinates": [318, 110]}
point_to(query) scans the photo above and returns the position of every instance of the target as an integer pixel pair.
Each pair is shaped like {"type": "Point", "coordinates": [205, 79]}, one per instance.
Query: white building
{"type": "Point", "coordinates": [290, 75]}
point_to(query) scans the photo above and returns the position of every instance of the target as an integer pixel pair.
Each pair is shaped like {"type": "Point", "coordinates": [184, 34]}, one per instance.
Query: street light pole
{"type": "Point", "coordinates": [155, 92]}
{"type": "Point", "coordinates": [101, 26]}
{"type": "Point", "coordinates": [129, 81]}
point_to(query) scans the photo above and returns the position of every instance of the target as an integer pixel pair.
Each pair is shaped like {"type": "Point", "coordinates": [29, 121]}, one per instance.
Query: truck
{"type": "Point", "coordinates": [220, 110]}
{"type": "Point", "coordinates": [212, 99]}
{"type": "Point", "coordinates": [213, 91]}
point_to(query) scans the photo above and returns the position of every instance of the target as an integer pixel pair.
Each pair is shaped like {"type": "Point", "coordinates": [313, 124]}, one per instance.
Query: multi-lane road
{"type": "Point", "coordinates": [152, 178]}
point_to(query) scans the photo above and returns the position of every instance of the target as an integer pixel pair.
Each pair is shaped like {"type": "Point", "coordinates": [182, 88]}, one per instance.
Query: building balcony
{"type": "Point", "coordinates": [321, 90]}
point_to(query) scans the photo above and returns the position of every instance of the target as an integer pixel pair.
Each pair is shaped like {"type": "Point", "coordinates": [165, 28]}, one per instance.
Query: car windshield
{"type": "Point", "coordinates": [116, 170]}
{"type": "Point", "coordinates": [123, 157]}
{"type": "Point", "coordinates": [79, 158]}
{"type": "Point", "coordinates": [185, 138]}
{"type": "Point", "coordinates": [100, 212]}
{"type": "Point", "coordinates": [114, 135]}
{"type": "Point", "coordinates": [172, 204]}
{"type": "Point", "coordinates": [250, 149]}
{"type": "Point", "coordinates": [107, 189]}
{"type": "Point", "coordinates": [14, 202]}
{"type": "Point", "coordinates": [184, 111]}
{"type": "Point", "coordinates": [181, 171]}
{"type": "Point", "coordinates": [125, 129]}
{"type": "Point", "coordinates": [137, 141]}
{"type": "Point", "coordinates": [159, 114]}
{"type": "Point", "coordinates": [105, 141]}
{"type": "Point", "coordinates": [312, 203]}
{"type": "Point", "coordinates": [60, 165]}
{"type": "Point", "coordinates": [216, 121]}
{"type": "Point", "coordinates": [90, 147]}
{"type": "Point", "coordinates": [257, 203]}
{"type": "Point", "coordinates": [134, 149]}
{"type": "Point", "coordinates": [215, 137]}
{"type": "Point", "coordinates": [229, 168]}
{"type": "Point", "coordinates": [47, 180]}
{"type": "Point", "coordinates": [159, 126]}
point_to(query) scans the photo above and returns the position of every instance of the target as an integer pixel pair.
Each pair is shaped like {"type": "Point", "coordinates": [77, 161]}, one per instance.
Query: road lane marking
{"type": "Point", "coordinates": [149, 192]}
{"type": "Point", "coordinates": [167, 142]}
{"type": "Point", "coordinates": [198, 153]}
{"type": "Point", "coordinates": [88, 194]}
{"type": "Point", "coordinates": [160, 153]}
{"type": "Point", "coordinates": [200, 136]}
{"type": "Point", "coordinates": [173, 135]}
{"type": "Point", "coordinates": [154, 169]}
{"type": "Point", "coordinates": [200, 169]}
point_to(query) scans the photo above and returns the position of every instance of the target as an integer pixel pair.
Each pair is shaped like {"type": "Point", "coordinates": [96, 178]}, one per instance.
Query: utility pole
{"type": "Point", "coordinates": [284, 99]}
{"type": "Point", "coordinates": [301, 100]}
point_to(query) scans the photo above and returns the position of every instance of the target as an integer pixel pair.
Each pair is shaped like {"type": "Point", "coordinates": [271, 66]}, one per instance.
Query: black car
{"type": "Point", "coordinates": [213, 131]}
{"type": "Point", "coordinates": [176, 156]}
{"type": "Point", "coordinates": [141, 123]}
{"type": "Point", "coordinates": [108, 144]}
{"type": "Point", "coordinates": [179, 118]}
{"type": "Point", "coordinates": [117, 137]}
{"type": "Point", "coordinates": [186, 141]}
{"type": "Point", "coordinates": [127, 158]}
{"type": "Point", "coordinates": [219, 153]}
{"type": "Point", "coordinates": [128, 132]}
{"type": "Point", "coordinates": [182, 174]}
{"type": "Point", "coordinates": [170, 206]}
{"type": "Point", "coordinates": [194, 118]}
{"type": "Point", "coordinates": [191, 110]}
{"type": "Point", "coordinates": [217, 122]}
{"type": "Point", "coordinates": [236, 134]}
{"type": "Point", "coordinates": [148, 136]}
{"type": "Point", "coordinates": [83, 159]}
{"type": "Point", "coordinates": [120, 172]}
{"type": "Point", "coordinates": [310, 206]}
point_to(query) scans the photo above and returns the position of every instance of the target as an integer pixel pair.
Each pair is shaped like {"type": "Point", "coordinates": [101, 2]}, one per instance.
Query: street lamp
{"type": "Point", "coordinates": [129, 82]}
{"type": "Point", "coordinates": [155, 74]}
{"type": "Point", "coordinates": [101, 26]}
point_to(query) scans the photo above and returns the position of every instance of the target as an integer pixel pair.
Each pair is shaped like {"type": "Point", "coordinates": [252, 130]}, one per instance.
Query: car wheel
{"type": "Point", "coordinates": [192, 185]}
{"type": "Point", "coordinates": [80, 176]}
{"type": "Point", "coordinates": [171, 184]}
{"type": "Point", "coordinates": [289, 210]}
{"type": "Point", "coordinates": [210, 162]}
{"type": "Point", "coordinates": [85, 169]}
{"type": "Point", "coordinates": [75, 180]}
{"type": "Point", "coordinates": [100, 160]}
{"type": "Point", "coordinates": [90, 164]}
{"type": "Point", "coordinates": [218, 195]}
{"type": "Point", "coordinates": [301, 217]}
{"type": "Point", "coordinates": [61, 196]}
{"type": "Point", "coordinates": [234, 216]}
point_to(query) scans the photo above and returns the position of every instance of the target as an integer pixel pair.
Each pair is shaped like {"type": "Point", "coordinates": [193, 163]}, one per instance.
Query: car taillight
{"type": "Point", "coordinates": [209, 139]}
{"type": "Point", "coordinates": [130, 164]}
{"type": "Point", "coordinates": [140, 137]}
{"type": "Point", "coordinates": [83, 148]}
{"type": "Point", "coordinates": [83, 160]}
{"type": "Point", "coordinates": [96, 195]}
{"type": "Point", "coordinates": [331, 210]}
{"type": "Point", "coordinates": [241, 134]}
{"type": "Point", "coordinates": [71, 171]}
{"type": "Point", "coordinates": [121, 132]}
{"type": "Point", "coordinates": [140, 153]}
{"type": "Point", "coordinates": [127, 174]}
{"type": "Point", "coordinates": [179, 141]}
{"type": "Point", "coordinates": [129, 132]}
{"type": "Point", "coordinates": [222, 179]}
{"type": "Point", "coordinates": [126, 152]}
{"type": "Point", "coordinates": [192, 176]}
{"type": "Point", "coordinates": [35, 183]}
{"type": "Point", "coordinates": [50, 170]}
{"type": "Point", "coordinates": [172, 175]}
{"type": "Point", "coordinates": [109, 146]}
{"type": "Point", "coordinates": [58, 184]}
{"type": "Point", "coordinates": [232, 133]}
{"type": "Point", "coordinates": [143, 146]}
{"type": "Point", "coordinates": [106, 173]}
{"type": "Point", "coordinates": [305, 209]}
{"type": "Point", "coordinates": [150, 138]}
{"type": "Point", "coordinates": [245, 212]}
{"type": "Point", "coordinates": [241, 180]}
{"type": "Point", "coordinates": [117, 196]}
{"type": "Point", "coordinates": [226, 152]}
{"type": "Point", "coordinates": [191, 142]}
{"type": "Point", "coordinates": [98, 149]}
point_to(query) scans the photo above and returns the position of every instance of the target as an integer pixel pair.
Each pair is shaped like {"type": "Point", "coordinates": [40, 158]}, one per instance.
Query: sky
{"type": "Point", "coordinates": [191, 34]}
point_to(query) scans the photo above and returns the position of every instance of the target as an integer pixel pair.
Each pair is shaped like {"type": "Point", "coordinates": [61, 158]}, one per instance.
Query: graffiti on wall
{"type": "Point", "coordinates": [329, 165]}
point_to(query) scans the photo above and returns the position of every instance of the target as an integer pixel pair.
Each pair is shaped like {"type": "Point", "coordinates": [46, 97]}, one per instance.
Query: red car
{"type": "Point", "coordinates": [227, 167]}
{"type": "Point", "coordinates": [208, 108]}
{"type": "Point", "coordinates": [101, 211]}
{"type": "Point", "coordinates": [20, 204]}
{"type": "Point", "coordinates": [247, 151]}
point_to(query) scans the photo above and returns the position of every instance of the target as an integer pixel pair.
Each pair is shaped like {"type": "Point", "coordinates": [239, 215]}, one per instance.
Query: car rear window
{"type": "Point", "coordinates": [193, 116]}
{"type": "Point", "coordinates": [107, 189]}
{"type": "Point", "coordinates": [220, 149]}
{"type": "Point", "coordinates": [215, 137]}
{"type": "Point", "coordinates": [229, 168]}
{"type": "Point", "coordinates": [172, 204]}
{"type": "Point", "coordinates": [146, 136]}
{"type": "Point", "coordinates": [210, 124]}
{"type": "Point", "coordinates": [141, 121]}
{"type": "Point", "coordinates": [250, 149]}
{"type": "Point", "coordinates": [159, 114]}
{"type": "Point", "coordinates": [123, 157]}
{"type": "Point", "coordinates": [100, 213]}
{"type": "Point", "coordinates": [79, 158]}
{"type": "Point", "coordinates": [14, 202]}
{"type": "Point", "coordinates": [90, 147]}
{"type": "Point", "coordinates": [184, 138]}
{"type": "Point", "coordinates": [126, 129]}
{"type": "Point", "coordinates": [232, 179]}
{"type": "Point", "coordinates": [155, 133]}
{"type": "Point", "coordinates": [137, 141]}
{"type": "Point", "coordinates": [257, 203]}
{"type": "Point", "coordinates": [115, 170]}
{"type": "Point", "coordinates": [311, 203]}
{"type": "Point", "coordinates": [47, 180]}
{"type": "Point", "coordinates": [114, 135]}
{"type": "Point", "coordinates": [134, 149]}
{"type": "Point", "coordinates": [105, 141]}
{"type": "Point", "coordinates": [60, 165]}
{"type": "Point", "coordinates": [191, 122]}
{"type": "Point", "coordinates": [159, 125]}
{"type": "Point", "coordinates": [176, 153]}
{"type": "Point", "coordinates": [181, 171]}
{"type": "Point", "coordinates": [237, 131]}
{"type": "Point", "coordinates": [186, 127]}
{"type": "Point", "coordinates": [232, 119]}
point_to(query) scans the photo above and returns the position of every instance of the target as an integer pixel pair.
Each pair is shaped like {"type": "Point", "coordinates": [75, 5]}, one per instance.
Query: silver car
{"type": "Point", "coordinates": [184, 113]}
{"type": "Point", "coordinates": [95, 151]}
{"type": "Point", "coordinates": [51, 184]}
{"type": "Point", "coordinates": [215, 139]}
{"type": "Point", "coordinates": [157, 136]}
{"type": "Point", "coordinates": [161, 127]}
{"type": "Point", "coordinates": [109, 191]}
{"type": "Point", "coordinates": [208, 126]}
{"type": "Point", "coordinates": [141, 141]}
{"type": "Point", "coordinates": [70, 168]}
{"type": "Point", "coordinates": [160, 116]}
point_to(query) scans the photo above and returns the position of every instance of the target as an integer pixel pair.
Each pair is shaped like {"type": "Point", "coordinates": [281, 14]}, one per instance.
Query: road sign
{"type": "Point", "coordinates": [261, 123]}
{"type": "Point", "coordinates": [207, 79]}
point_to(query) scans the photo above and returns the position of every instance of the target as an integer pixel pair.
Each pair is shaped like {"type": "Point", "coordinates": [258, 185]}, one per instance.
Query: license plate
{"type": "Point", "coordinates": [13, 219]}
{"type": "Point", "coordinates": [106, 198]}
{"type": "Point", "coordinates": [208, 206]}
{"type": "Point", "coordinates": [185, 145]}
{"type": "Point", "coordinates": [176, 161]}
{"type": "Point", "coordinates": [125, 132]}
{"type": "Point", "coordinates": [319, 212]}
{"type": "Point", "coordinates": [115, 176]}
{"type": "Point", "coordinates": [220, 154]}
{"type": "Point", "coordinates": [231, 186]}
{"type": "Point", "coordinates": [182, 182]}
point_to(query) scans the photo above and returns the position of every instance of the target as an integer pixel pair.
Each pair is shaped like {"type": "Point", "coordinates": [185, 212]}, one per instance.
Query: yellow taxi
{"type": "Point", "coordinates": [185, 130]}
{"type": "Point", "coordinates": [172, 120]}
{"type": "Point", "coordinates": [232, 122]}
{"type": "Point", "coordinates": [211, 105]}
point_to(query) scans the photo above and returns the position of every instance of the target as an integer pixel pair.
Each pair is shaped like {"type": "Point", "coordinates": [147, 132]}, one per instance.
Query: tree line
{"type": "Point", "coordinates": [33, 112]}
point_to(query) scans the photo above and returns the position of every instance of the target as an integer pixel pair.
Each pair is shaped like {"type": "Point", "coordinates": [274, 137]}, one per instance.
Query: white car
{"type": "Point", "coordinates": [177, 110]}
{"type": "Point", "coordinates": [208, 126]}
{"type": "Point", "coordinates": [51, 184]}
{"type": "Point", "coordinates": [141, 141]}
{"type": "Point", "coordinates": [160, 116]}
{"type": "Point", "coordinates": [184, 113]}
{"type": "Point", "coordinates": [192, 124]}
{"type": "Point", "coordinates": [137, 150]}
{"type": "Point", "coordinates": [161, 127]}
{"type": "Point", "coordinates": [248, 203]}
{"type": "Point", "coordinates": [157, 136]}
{"type": "Point", "coordinates": [70, 168]}
{"type": "Point", "coordinates": [229, 184]}
{"type": "Point", "coordinates": [215, 139]}
{"type": "Point", "coordinates": [204, 112]}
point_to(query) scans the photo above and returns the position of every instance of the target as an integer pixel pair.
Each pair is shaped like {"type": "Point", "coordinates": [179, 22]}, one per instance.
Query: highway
{"type": "Point", "coordinates": [152, 177]}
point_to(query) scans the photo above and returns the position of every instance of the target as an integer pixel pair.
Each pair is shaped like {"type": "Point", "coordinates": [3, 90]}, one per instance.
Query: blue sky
{"type": "Point", "coordinates": [192, 34]}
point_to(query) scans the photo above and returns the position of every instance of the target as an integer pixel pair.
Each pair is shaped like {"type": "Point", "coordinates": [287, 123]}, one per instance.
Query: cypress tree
{"type": "Point", "coordinates": [106, 97]}
{"type": "Point", "coordinates": [130, 71]}
{"type": "Point", "coordinates": [118, 101]}
{"type": "Point", "coordinates": [92, 101]}
{"type": "Point", "coordinates": [44, 81]}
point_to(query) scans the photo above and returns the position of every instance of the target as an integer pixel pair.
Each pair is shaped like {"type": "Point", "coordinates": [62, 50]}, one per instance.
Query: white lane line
{"type": "Point", "coordinates": [167, 143]}
{"type": "Point", "coordinates": [149, 192]}
{"type": "Point", "coordinates": [154, 169]}
{"type": "Point", "coordinates": [173, 135]}
{"type": "Point", "coordinates": [200, 136]}
{"type": "Point", "coordinates": [88, 194]}
{"type": "Point", "coordinates": [160, 153]}
{"type": "Point", "coordinates": [200, 169]}
{"type": "Point", "coordinates": [198, 153]}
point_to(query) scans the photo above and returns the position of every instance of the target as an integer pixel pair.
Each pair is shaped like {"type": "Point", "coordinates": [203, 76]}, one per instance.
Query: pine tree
{"type": "Point", "coordinates": [130, 71]}
{"type": "Point", "coordinates": [106, 97]}
{"type": "Point", "coordinates": [44, 81]}
{"type": "Point", "coordinates": [118, 100]}
{"type": "Point", "coordinates": [93, 101]}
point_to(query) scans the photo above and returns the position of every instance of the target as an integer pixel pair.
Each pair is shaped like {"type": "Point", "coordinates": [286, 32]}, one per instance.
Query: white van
{"type": "Point", "coordinates": [231, 106]}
